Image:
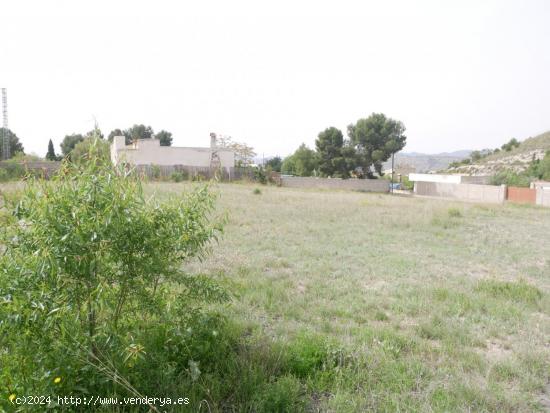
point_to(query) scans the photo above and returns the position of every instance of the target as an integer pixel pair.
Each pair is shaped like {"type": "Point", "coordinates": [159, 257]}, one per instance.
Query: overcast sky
{"type": "Point", "coordinates": [460, 74]}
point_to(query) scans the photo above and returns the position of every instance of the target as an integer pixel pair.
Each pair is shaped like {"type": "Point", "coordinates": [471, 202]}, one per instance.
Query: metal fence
{"type": "Point", "coordinates": [194, 172]}
{"type": "Point", "coordinates": [47, 169]}
{"type": "Point", "coordinates": [38, 168]}
{"type": "Point", "coordinates": [522, 195]}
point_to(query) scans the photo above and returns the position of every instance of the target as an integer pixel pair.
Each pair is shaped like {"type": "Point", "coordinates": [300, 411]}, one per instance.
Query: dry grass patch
{"type": "Point", "coordinates": [432, 305]}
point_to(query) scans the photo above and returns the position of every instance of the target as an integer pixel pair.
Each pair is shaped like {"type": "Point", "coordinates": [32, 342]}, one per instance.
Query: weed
{"type": "Point", "coordinates": [179, 176]}
{"type": "Point", "coordinates": [454, 212]}
{"type": "Point", "coordinates": [517, 291]}
{"type": "Point", "coordinates": [381, 316]}
{"type": "Point", "coordinates": [306, 354]}
{"type": "Point", "coordinates": [284, 395]}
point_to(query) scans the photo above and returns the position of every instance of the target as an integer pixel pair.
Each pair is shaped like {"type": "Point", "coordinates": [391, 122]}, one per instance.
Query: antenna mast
{"type": "Point", "coordinates": [5, 133]}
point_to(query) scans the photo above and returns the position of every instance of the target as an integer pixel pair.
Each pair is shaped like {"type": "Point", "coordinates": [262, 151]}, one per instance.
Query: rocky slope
{"type": "Point", "coordinates": [516, 160]}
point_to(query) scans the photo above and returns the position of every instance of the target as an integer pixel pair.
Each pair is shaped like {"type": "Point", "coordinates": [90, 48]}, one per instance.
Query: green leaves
{"type": "Point", "coordinates": [302, 162]}
{"type": "Point", "coordinates": [87, 251]}
{"type": "Point", "coordinates": [336, 156]}
{"type": "Point", "coordinates": [375, 139]}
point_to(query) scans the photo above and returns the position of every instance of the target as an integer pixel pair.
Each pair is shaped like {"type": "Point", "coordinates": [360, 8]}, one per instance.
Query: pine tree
{"type": "Point", "coordinates": [51, 152]}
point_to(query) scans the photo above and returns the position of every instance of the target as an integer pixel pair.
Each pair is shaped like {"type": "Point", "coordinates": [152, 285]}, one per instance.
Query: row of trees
{"type": "Point", "coordinates": [137, 132]}
{"type": "Point", "coordinates": [76, 144]}
{"type": "Point", "coordinates": [80, 142]}
{"type": "Point", "coordinates": [15, 145]}
{"type": "Point", "coordinates": [72, 141]}
{"type": "Point", "coordinates": [371, 141]}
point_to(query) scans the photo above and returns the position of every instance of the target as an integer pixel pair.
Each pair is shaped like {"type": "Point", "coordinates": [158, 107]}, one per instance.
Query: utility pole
{"type": "Point", "coordinates": [391, 188]}
{"type": "Point", "coordinates": [5, 134]}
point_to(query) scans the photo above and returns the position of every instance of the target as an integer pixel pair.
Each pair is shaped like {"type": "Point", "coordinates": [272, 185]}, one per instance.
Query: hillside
{"type": "Point", "coordinates": [423, 162]}
{"type": "Point", "coordinates": [516, 160]}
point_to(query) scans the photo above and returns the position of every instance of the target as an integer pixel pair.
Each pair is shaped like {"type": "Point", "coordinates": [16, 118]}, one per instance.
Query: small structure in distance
{"type": "Point", "coordinates": [150, 152]}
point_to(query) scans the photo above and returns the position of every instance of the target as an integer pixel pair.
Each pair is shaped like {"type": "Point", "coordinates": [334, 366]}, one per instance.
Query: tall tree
{"type": "Point", "coordinates": [95, 133]}
{"type": "Point", "coordinates": [165, 138]}
{"type": "Point", "coordinates": [69, 142]}
{"type": "Point", "coordinates": [50, 155]}
{"type": "Point", "coordinates": [375, 139]}
{"type": "Point", "coordinates": [138, 132]}
{"type": "Point", "coordinates": [302, 162]}
{"type": "Point", "coordinates": [244, 154]}
{"type": "Point", "coordinates": [15, 145]}
{"type": "Point", "coordinates": [113, 133]}
{"type": "Point", "coordinates": [275, 163]}
{"type": "Point", "coordinates": [336, 155]}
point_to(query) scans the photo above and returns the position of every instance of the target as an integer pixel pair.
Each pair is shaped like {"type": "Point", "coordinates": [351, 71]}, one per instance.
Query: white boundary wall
{"type": "Point", "coordinates": [449, 178]}
{"type": "Point", "coordinates": [464, 192]}
{"type": "Point", "coordinates": [543, 196]}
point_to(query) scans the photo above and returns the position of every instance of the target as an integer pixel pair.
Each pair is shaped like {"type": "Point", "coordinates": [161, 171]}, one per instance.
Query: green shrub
{"type": "Point", "coordinates": [257, 191]}
{"type": "Point", "coordinates": [12, 170]}
{"type": "Point", "coordinates": [538, 169]}
{"type": "Point", "coordinates": [511, 179]}
{"type": "Point", "coordinates": [260, 175]}
{"type": "Point", "coordinates": [282, 396]}
{"type": "Point", "coordinates": [434, 329]}
{"type": "Point", "coordinates": [454, 212]}
{"type": "Point", "coordinates": [511, 144]}
{"type": "Point", "coordinates": [155, 171]}
{"type": "Point", "coordinates": [84, 254]}
{"type": "Point", "coordinates": [306, 354]}
{"type": "Point", "coordinates": [448, 220]}
{"type": "Point", "coordinates": [381, 316]}
{"type": "Point", "coordinates": [408, 185]}
{"type": "Point", "coordinates": [179, 176]}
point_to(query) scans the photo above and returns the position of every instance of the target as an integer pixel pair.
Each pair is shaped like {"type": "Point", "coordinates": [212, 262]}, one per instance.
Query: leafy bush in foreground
{"type": "Point", "coordinates": [91, 291]}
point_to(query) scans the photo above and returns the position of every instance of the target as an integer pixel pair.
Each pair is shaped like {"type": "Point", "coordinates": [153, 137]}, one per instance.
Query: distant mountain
{"type": "Point", "coordinates": [424, 162]}
{"type": "Point", "coordinates": [464, 153]}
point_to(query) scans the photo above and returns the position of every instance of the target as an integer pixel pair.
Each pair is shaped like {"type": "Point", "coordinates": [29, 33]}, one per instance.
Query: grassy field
{"type": "Point", "coordinates": [425, 305]}
{"type": "Point", "coordinates": [353, 302]}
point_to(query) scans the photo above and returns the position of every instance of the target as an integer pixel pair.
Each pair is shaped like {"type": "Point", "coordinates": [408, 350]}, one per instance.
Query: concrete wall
{"type": "Point", "coordinates": [543, 196]}
{"type": "Point", "coordinates": [449, 178]}
{"type": "Point", "coordinates": [540, 184]}
{"type": "Point", "coordinates": [369, 185]}
{"type": "Point", "coordinates": [463, 192]}
{"type": "Point", "coordinates": [149, 152]}
{"type": "Point", "coordinates": [479, 179]}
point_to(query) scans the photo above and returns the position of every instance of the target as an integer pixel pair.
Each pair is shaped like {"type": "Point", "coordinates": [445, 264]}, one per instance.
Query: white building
{"type": "Point", "coordinates": [149, 152]}
{"type": "Point", "coordinates": [449, 178]}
